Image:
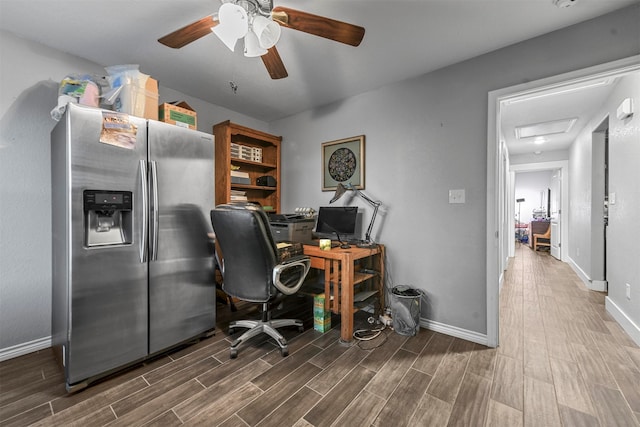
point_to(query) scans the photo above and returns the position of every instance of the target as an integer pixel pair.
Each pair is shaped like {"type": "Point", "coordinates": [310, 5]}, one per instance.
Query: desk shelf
{"type": "Point", "coordinates": [258, 165]}
{"type": "Point", "coordinates": [362, 277]}
{"type": "Point", "coordinates": [252, 187]}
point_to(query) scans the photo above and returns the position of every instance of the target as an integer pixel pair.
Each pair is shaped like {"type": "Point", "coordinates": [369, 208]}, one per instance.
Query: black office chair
{"type": "Point", "coordinates": [251, 270]}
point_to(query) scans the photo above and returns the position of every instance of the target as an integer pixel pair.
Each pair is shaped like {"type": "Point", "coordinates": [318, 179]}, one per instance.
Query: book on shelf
{"type": "Point", "coordinates": [239, 174]}
{"type": "Point", "coordinates": [238, 196]}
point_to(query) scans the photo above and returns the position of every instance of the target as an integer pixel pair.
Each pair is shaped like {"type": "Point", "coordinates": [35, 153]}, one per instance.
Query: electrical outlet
{"type": "Point", "coordinates": [628, 291]}
{"type": "Point", "coordinates": [456, 196]}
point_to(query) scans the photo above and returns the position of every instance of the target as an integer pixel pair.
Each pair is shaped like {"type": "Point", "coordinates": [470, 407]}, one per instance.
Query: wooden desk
{"type": "Point", "coordinates": [342, 275]}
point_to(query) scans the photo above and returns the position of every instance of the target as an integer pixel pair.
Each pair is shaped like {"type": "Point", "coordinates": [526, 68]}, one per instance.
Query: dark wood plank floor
{"type": "Point", "coordinates": [563, 361]}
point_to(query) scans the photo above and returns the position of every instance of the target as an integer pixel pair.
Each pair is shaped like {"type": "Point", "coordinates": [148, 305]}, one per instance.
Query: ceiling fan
{"type": "Point", "coordinates": [258, 23]}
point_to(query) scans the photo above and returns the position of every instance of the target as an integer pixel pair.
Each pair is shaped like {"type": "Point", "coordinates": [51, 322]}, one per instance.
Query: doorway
{"type": "Point", "coordinates": [599, 205]}
{"type": "Point", "coordinates": [496, 177]}
{"type": "Point", "coordinates": [555, 213]}
{"type": "Point", "coordinates": [543, 195]}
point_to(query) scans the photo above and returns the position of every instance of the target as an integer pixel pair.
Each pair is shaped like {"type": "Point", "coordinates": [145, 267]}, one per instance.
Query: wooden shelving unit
{"type": "Point", "coordinates": [226, 133]}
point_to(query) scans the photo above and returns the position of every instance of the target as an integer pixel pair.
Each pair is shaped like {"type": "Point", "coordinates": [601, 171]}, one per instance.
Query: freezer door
{"type": "Point", "coordinates": [107, 284]}
{"type": "Point", "coordinates": [181, 282]}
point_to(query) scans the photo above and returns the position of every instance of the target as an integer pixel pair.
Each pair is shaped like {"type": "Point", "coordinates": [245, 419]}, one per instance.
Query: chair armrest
{"type": "Point", "coordinates": [299, 262]}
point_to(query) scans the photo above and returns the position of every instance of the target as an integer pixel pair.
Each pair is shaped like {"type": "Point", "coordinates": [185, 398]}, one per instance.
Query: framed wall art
{"type": "Point", "coordinates": [343, 162]}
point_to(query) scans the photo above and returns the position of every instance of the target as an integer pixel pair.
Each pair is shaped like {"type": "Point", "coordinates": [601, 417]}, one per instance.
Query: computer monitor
{"type": "Point", "coordinates": [340, 220]}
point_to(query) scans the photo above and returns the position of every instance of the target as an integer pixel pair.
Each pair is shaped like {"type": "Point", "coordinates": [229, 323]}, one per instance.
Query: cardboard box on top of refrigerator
{"type": "Point", "coordinates": [178, 113]}
{"type": "Point", "coordinates": [151, 99]}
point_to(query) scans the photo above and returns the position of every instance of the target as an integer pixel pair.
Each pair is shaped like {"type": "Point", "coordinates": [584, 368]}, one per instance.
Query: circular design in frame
{"type": "Point", "coordinates": [342, 164]}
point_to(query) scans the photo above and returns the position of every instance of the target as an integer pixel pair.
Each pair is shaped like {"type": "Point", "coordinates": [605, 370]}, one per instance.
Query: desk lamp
{"type": "Point", "coordinates": [340, 190]}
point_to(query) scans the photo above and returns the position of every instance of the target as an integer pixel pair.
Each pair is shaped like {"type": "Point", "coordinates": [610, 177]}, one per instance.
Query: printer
{"type": "Point", "coordinates": [291, 227]}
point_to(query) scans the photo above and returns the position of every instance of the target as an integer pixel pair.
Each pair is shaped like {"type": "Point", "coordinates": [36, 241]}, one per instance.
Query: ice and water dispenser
{"type": "Point", "coordinates": [108, 218]}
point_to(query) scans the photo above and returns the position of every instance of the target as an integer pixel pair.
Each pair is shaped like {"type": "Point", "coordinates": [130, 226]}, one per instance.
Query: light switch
{"type": "Point", "coordinates": [456, 196]}
{"type": "Point", "coordinates": [612, 198]}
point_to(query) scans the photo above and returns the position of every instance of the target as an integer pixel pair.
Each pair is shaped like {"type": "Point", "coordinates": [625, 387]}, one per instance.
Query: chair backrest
{"type": "Point", "coordinates": [546, 234]}
{"type": "Point", "coordinates": [249, 252]}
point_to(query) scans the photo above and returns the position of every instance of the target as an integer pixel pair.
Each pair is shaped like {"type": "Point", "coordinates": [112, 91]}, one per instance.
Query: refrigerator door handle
{"type": "Point", "coordinates": [145, 209]}
{"type": "Point", "coordinates": [156, 219]}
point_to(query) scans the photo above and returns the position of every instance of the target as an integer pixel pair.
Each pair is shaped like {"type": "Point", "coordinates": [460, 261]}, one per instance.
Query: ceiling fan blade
{"type": "Point", "coordinates": [274, 64]}
{"type": "Point", "coordinates": [318, 25]}
{"type": "Point", "coordinates": [189, 33]}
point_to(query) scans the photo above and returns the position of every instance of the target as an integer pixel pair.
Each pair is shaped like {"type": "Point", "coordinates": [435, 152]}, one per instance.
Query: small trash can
{"type": "Point", "coordinates": [405, 310]}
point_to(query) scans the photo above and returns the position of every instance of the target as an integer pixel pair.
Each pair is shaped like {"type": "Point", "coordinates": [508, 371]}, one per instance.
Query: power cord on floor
{"type": "Point", "coordinates": [367, 334]}
{"type": "Point", "coordinates": [364, 335]}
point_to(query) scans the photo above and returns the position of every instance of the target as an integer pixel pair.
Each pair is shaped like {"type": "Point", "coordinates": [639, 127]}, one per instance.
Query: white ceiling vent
{"type": "Point", "coordinates": [546, 128]}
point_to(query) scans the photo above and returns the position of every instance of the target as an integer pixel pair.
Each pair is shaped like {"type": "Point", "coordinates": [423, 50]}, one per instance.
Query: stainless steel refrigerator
{"type": "Point", "coordinates": [132, 256]}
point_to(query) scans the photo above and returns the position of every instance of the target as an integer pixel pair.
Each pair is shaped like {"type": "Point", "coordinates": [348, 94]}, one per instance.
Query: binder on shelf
{"type": "Point", "coordinates": [239, 177]}
{"type": "Point", "coordinates": [238, 180]}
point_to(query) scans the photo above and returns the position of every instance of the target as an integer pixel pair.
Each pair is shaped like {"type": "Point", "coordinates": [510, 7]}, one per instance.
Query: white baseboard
{"type": "Point", "coordinates": [623, 320]}
{"type": "Point", "coordinates": [454, 331]}
{"type": "Point", "coordinates": [580, 272]}
{"type": "Point", "coordinates": [24, 348]}
{"type": "Point", "coordinates": [595, 285]}
{"type": "Point", "coordinates": [599, 285]}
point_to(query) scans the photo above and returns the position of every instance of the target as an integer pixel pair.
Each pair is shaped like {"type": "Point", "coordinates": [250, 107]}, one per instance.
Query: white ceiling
{"type": "Point", "coordinates": [572, 101]}
{"type": "Point", "coordinates": [403, 39]}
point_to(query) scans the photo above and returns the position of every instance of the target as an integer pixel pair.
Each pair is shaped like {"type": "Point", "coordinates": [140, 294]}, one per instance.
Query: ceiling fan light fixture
{"type": "Point", "coordinates": [267, 31]}
{"type": "Point", "coordinates": [252, 46]}
{"type": "Point", "coordinates": [236, 17]}
{"type": "Point", "coordinates": [234, 24]}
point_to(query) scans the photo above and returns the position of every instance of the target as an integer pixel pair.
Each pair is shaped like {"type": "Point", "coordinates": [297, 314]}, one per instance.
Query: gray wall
{"type": "Point", "coordinates": [624, 229]}
{"type": "Point", "coordinates": [579, 211]}
{"type": "Point", "coordinates": [427, 135]}
{"type": "Point", "coordinates": [29, 80]}
{"type": "Point", "coordinates": [623, 251]}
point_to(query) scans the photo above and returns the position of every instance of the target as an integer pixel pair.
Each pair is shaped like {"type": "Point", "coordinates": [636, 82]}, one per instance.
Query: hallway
{"type": "Point", "coordinates": [562, 359]}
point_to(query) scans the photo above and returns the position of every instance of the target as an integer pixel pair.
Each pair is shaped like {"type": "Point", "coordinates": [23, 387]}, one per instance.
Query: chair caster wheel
{"type": "Point", "coordinates": [233, 353]}
{"type": "Point", "coordinates": [284, 352]}
{"type": "Point", "coordinates": [232, 331]}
